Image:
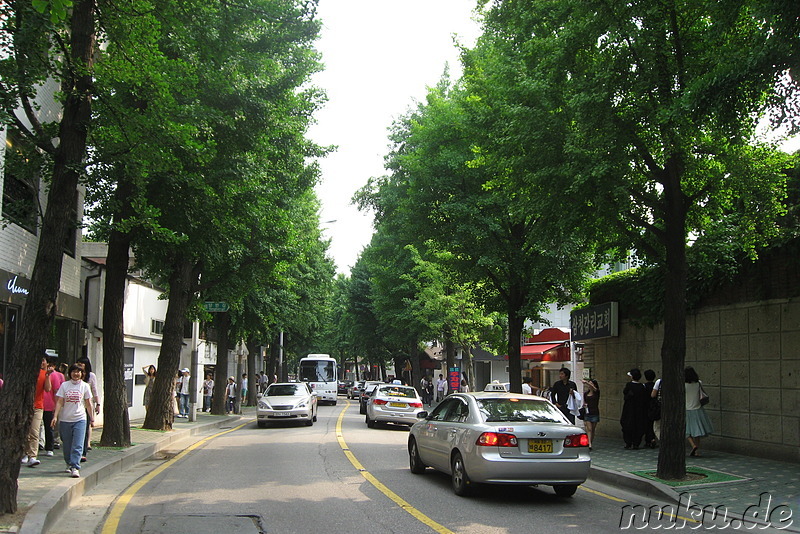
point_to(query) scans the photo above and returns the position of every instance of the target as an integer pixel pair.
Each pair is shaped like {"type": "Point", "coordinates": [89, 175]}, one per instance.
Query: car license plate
{"type": "Point", "coordinates": [397, 404]}
{"type": "Point", "coordinates": [279, 414]}
{"type": "Point", "coordinates": [540, 445]}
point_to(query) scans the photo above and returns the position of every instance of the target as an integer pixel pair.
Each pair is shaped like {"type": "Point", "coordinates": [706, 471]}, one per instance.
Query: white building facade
{"type": "Point", "coordinates": [23, 203]}
{"type": "Point", "coordinates": [143, 322]}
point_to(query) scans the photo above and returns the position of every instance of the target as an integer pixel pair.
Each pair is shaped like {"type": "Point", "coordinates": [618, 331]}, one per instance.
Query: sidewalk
{"type": "Point", "coordinates": [733, 481]}
{"type": "Point", "coordinates": [45, 491]}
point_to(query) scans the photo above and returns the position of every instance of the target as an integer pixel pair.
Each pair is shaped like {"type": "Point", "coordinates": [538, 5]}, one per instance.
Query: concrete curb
{"type": "Point", "coordinates": [43, 515]}
{"type": "Point", "coordinates": [642, 486]}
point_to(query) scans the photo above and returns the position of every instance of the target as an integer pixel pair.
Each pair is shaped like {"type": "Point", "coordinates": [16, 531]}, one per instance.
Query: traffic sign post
{"type": "Point", "coordinates": [216, 307]}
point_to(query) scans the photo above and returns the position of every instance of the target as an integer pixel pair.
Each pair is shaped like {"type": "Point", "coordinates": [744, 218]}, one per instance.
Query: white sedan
{"type": "Point", "coordinates": [393, 403]}
{"type": "Point", "coordinates": [500, 438]}
{"type": "Point", "coordinates": [290, 401]}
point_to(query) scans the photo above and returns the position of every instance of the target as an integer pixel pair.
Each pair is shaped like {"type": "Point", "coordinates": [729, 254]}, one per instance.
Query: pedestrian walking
{"type": "Point", "coordinates": [230, 393]}
{"type": "Point", "coordinates": [149, 382]}
{"type": "Point", "coordinates": [698, 425]}
{"type": "Point", "coordinates": [424, 387]}
{"type": "Point", "coordinates": [183, 393]}
{"type": "Point", "coordinates": [526, 386]}
{"type": "Point", "coordinates": [244, 389]}
{"type": "Point", "coordinates": [74, 411]}
{"type": "Point", "coordinates": [655, 409]}
{"type": "Point", "coordinates": [56, 379]}
{"type": "Point", "coordinates": [562, 391]}
{"type": "Point", "coordinates": [32, 447]}
{"type": "Point", "coordinates": [441, 388]}
{"type": "Point", "coordinates": [90, 378]}
{"type": "Point", "coordinates": [634, 410]}
{"type": "Point", "coordinates": [649, 432]}
{"type": "Point", "coordinates": [208, 390]}
{"type": "Point", "coordinates": [591, 397]}
{"type": "Point", "coordinates": [464, 386]}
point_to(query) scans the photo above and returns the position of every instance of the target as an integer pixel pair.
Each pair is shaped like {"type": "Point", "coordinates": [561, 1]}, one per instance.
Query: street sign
{"type": "Point", "coordinates": [216, 307]}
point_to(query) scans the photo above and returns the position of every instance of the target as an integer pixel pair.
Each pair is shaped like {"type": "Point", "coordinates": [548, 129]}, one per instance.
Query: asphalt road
{"type": "Point", "coordinates": [291, 478]}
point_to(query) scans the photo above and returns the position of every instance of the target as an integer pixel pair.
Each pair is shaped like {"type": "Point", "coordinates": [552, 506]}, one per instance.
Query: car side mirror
{"type": "Point", "coordinates": [259, 395]}
{"type": "Point", "coordinates": [422, 415]}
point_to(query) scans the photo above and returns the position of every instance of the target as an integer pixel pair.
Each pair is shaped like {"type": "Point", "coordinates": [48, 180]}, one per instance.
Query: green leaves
{"type": "Point", "coordinates": [56, 8]}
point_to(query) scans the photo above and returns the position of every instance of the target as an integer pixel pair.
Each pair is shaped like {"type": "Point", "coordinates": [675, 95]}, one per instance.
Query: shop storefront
{"type": "Point", "coordinates": [65, 339]}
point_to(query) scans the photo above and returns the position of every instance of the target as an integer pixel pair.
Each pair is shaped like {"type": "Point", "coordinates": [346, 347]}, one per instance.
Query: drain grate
{"type": "Point", "coordinates": [192, 524]}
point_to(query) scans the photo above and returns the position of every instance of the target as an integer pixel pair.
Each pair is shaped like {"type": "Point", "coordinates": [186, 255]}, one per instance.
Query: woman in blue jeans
{"type": "Point", "coordinates": [73, 408]}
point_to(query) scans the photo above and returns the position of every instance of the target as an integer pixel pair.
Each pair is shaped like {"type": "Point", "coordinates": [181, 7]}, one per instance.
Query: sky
{"type": "Point", "coordinates": [380, 56]}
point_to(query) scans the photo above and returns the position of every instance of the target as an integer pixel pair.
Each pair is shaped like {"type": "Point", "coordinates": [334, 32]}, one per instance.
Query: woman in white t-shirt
{"type": "Point", "coordinates": [73, 408]}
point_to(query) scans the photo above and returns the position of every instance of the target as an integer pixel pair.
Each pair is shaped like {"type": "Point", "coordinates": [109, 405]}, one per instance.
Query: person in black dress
{"type": "Point", "coordinates": [634, 410]}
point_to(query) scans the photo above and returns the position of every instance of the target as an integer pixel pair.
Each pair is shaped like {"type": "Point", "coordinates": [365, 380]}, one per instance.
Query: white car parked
{"type": "Point", "coordinates": [289, 401]}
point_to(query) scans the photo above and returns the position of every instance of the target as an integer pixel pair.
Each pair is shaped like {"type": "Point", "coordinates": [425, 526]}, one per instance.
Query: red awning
{"type": "Point", "coordinates": [545, 352]}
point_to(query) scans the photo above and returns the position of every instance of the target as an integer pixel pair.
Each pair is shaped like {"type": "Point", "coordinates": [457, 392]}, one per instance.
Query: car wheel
{"type": "Point", "coordinates": [370, 422]}
{"type": "Point", "coordinates": [315, 417]}
{"type": "Point", "coordinates": [335, 402]}
{"type": "Point", "coordinates": [310, 422]}
{"type": "Point", "coordinates": [565, 490]}
{"type": "Point", "coordinates": [458, 475]}
{"type": "Point", "coordinates": [362, 409]}
{"type": "Point", "coordinates": [414, 461]}
{"type": "Point", "coordinates": [262, 424]}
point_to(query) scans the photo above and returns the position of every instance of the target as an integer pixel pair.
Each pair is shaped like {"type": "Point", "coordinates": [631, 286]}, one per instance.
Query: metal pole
{"type": "Point", "coordinates": [193, 376]}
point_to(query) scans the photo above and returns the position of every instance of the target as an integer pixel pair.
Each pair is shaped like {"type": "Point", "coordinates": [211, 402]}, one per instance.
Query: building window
{"type": "Point", "coordinates": [156, 327]}
{"type": "Point", "coordinates": [21, 168]}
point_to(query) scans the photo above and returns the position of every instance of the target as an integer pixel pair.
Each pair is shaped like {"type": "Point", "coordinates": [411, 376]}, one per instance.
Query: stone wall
{"type": "Point", "coordinates": [748, 357]}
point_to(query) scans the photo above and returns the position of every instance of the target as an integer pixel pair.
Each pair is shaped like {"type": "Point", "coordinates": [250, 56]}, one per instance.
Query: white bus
{"type": "Point", "coordinates": [321, 373]}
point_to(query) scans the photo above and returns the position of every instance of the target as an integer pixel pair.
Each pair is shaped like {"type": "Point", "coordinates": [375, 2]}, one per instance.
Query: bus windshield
{"type": "Point", "coordinates": [317, 371]}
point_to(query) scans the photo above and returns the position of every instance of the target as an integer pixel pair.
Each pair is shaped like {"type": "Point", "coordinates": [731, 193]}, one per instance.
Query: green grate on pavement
{"type": "Point", "coordinates": [701, 476]}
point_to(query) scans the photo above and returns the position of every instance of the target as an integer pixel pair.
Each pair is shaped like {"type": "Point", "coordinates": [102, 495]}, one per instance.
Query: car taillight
{"type": "Point", "coordinates": [379, 402]}
{"type": "Point", "coordinates": [415, 404]}
{"type": "Point", "coordinates": [576, 440]}
{"type": "Point", "coordinates": [496, 439]}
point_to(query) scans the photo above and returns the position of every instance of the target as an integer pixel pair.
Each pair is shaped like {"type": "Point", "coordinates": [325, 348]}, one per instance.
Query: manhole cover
{"type": "Point", "coordinates": [192, 524]}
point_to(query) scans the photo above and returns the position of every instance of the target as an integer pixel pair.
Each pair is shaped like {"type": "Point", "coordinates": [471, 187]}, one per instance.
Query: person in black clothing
{"type": "Point", "coordinates": [649, 434]}
{"type": "Point", "coordinates": [561, 391]}
{"type": "Point", "coordinates": [634, 410]}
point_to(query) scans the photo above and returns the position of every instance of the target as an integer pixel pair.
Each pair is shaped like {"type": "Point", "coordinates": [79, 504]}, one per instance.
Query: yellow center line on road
{"type": "Point", "coordinates": [379, 485]}
{"type": "Point", "coordinates": [115, 515]}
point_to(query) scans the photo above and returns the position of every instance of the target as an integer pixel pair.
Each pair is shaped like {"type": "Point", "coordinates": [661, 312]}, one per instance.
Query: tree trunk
{"type": "Point", "coordinates": [161, 413]}
{"type": "Point", "coordinates": [416, 372]}
{"type": "Point", "coordinates": [116, 421]}
{"type": "Point", "coordinates": [515, 324]}
{"type": "Point", "coordinates": [252, 388]}
{"type": "Point", "coordinates": [220, 399]}
{"type": "Point", "coordinates": [672, 453]}
{"type": "Point", "coordinates": [272, 361]}
{"type": "Point", "coordinates": [281, 368]}
{"type": "Point", "coordinates": [16, 397]}
{"type": "Point", "coordinates": [469, 367]}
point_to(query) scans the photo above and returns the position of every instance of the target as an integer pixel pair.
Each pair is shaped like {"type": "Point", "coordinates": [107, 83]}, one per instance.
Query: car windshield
{"type": "Point", "coordinates": [396, 391]}
{"type": "Point", "coordinates": [317, 371]}
{"type": "Point", "coordinates": [282, 390]}
{"type": "Point", "coordinates": [512, 409]}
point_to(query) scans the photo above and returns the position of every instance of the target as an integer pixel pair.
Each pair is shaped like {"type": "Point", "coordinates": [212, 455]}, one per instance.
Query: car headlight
{"type": "Point", "coordinates": [263, 405]}
{"type": "Point", "coordinates": [302, 404]}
